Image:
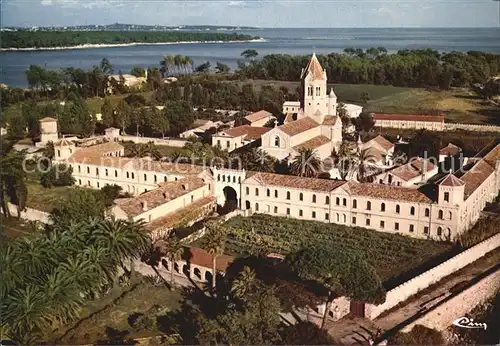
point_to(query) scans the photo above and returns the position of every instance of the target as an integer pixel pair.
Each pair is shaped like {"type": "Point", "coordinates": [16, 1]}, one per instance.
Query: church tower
{"type": "Point", "coordinates": [315, 101]}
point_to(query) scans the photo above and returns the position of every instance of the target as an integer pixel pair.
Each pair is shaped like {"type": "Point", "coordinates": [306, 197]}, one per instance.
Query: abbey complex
{"type": "Point", "coordinates": [402, 199]}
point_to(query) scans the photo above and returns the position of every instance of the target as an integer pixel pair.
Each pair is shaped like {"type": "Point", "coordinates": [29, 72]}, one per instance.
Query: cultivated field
{"type": "Point", "coordinates": [390, 254]}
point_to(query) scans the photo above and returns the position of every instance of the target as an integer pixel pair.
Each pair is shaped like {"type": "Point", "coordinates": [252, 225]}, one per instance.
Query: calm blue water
{"type": "Point", "coordinates": [286, 41]}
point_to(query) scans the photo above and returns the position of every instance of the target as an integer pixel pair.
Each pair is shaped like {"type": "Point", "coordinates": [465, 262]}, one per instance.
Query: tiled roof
{"type": "Point", "coordinates": [451, 150]}
{"type": "Point", "coordinates": [313, 143]}
{"type": "Point", "coordinates": [330, 120]}
{"type": "Point", "coordinates": [149, 165]}
{"type": "Point", "coordinates": [493, 156]}
{"type": "Point", "coordinates": [172, 219]}
{"type": "Point", "coordinates": [410, 117]}
{"type": "Point", "coordinates": [63, 142]}
{"type": "Point", "coordinates": [383, 142]}
{"type": "Point", "coordinates": [47, 120]}
{"type": "Point", "coordinates": [411, 170]}
{"type": "Point", "coordinates": [166, 192]}
{"type": "Point", "coordinates": [295, 127]}
{"type": "Point", "coordinates": [202, 258]}
{"type": "Point", "coordinates": [314, 184]}
{"type": "Point", "coordinates": [387, 192]}
{"type": "Point", "coordinates": [107, 147]}
{"type": "Point", "coordinates": [451, 180]}
{"type": "Point", "coordinates": [314, 67]}
{"type": "Point", "coordinates": [476, 176]}
{"type": "Point", "coordinates": [249, 132]}
{"type": "Point", "coordinates": [262, 114]}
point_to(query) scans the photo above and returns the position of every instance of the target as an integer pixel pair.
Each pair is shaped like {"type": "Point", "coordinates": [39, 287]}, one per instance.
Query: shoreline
{"type": "Point", "coordinates": [117, 45]}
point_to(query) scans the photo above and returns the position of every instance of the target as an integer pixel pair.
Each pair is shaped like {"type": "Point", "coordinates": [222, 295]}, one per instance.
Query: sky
{"type": "Point", "coordinates": [260, 13]}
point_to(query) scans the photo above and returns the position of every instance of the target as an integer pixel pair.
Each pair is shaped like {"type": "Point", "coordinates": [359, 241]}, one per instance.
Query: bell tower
{"type": "Point", "coordinates": [315, 100]}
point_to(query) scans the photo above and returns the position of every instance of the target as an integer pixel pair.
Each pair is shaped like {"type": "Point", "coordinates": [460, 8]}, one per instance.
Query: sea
{"type": "Point", "coordinates": [13, 64]}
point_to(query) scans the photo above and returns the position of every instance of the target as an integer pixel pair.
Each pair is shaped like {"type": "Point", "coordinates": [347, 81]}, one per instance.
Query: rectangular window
{"type": "Point", "coordinates": [218, 142]}
{"type": "Point", "coordinates": [276, 210]}
{"type": "Point", "coordinates": [396, 226]}
{"type": "Point", "coordinates": [155, 178]}
{"type": "Point", "coordinates": [256, 191]}
{"type": "Point", "coordinates": [97, 171]}
{"type": "Point", "coordinates": [106, 171]}
{"type": "Point", "coordinates": [79, 169]}
{"type": "Point", "coordinates": [368, 222]}
{"type": "Point", "coordinates": [382, 224]}
{"type": "Point", "coordinates": [116, 173]}
{"type": "Point", "coordinates": [426, 230]}
{"type": "Point", "coordinates": [287, 211]}
{"type": "Point", "coordinates": [354, 220]}
{"type": "Point", "coordinates": [447, 196]}
{"type": "Point", "coordinates": [411, 229]}
{"type": "Point", "coordinates": [127, 175]}
{"type": "Point", "coordinates": [313, 214]}
{"type": "Point", "coordinates": [228, 144]}
{"type": "Point", "coordinates": [88, 170]}
{"type": "Point", "coordinates": [327, 217]}
{"type": "Point", "coordinates": [145, 177]}
{"type": "Point", "coordinates": [301, 213]}
{"type": "Point", "coordinates": [318, 91]}
{"type": "Point", "coordinates": [132, 175]}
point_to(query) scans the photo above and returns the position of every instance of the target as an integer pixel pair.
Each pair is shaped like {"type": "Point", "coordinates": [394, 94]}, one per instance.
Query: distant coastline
{"type": "Point", "coordinates": [116, 45]}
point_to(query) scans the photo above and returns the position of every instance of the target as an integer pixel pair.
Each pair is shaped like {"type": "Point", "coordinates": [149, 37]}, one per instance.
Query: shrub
{"type": "Point", "coordinates": [58, 175]}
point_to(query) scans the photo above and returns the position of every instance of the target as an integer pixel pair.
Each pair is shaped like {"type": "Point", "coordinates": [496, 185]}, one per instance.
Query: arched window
{"type": "Point", "coordinates": [338, 217]}
{"type": "Point", "coordinates": [440, 215]}
{"type": "Point", "coordinates": [256, 206]}
{"type": "Point", "coordinates": [412, 211]}
{"type": "Point", "coordinates": [382, 207]}
{"type": "Point", "coordinates": [256, 191]}
{"type": "Point", "coordinates": [301, 196]}
{"type": "Point", "coordinates": [288, 195]}
{"type": "Point", "coordinates": [398, 209]}
{"type": "Point", "coordinates": [427, 212]}
{"type": "Point", "coordinates": [449, 215]}
{"type": "Point", "coordinates": [368, 205]}
{"type": "Point", "coordinates": [239, 180]}
{"type": "Point", "coordinates": [276, 141]}
{"type": "Point", "coordinates": [276, 193]}
{"type": "Point", "coordinates": [354, 204]}
{"type": "Point", "coordinates": [224, 178]}
{"type": "Point", "coordinates": [234, 179]}
{"type": "Point", "coordinates": [344, 218]}
{"type": "Point", "coordinates": [314, 199]}
{"type": "Point", "coordinates": [439, 231]}
{"type": "Point", "coordinates": [276, 210]}
{"type": "Point", "coordinates": [327, 200]}
{"type": "Point", "coordinates": [268, 192]}
{"type": "Point", "coordinates": [337, 201]}
{"type": "Point", "coordinates": [247, 190]}
{"type": "Point", "coordinates": [344, 202]}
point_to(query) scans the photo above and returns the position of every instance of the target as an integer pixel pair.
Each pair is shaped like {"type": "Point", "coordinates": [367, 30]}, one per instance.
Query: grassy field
{"type": "Point", "coordinates": [13, 228]}
{"type": "Point", "coordinates": [459, 105]}
{"type": "Point", "coordinates": [45, 199]}
{"type": "Point", "coordinates": [95, 103]}
{"type": "Point", "coordinates": [390, 254]}
{"type": "Point", "coordinates": [112, 316]}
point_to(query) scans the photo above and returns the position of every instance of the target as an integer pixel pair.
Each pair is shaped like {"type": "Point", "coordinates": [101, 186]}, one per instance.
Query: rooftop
{"type": "Point", "coordinates": [295, 127]}
{"type": "Point", "coordinates": [249, 132]}
{"type": "Point", "coordinates": [450, 150]}
{"type": "Point", "coordinates": [451, 180]}
{"type": "Point", "coordinates": [387, 192]}
{"type": "Point", "coordinates": [330, 120]}
{"type": "Point", "coordinates": [412, 169]}
{"type": "Point", "coordinates": [313, 143]}
{"type": "Point", "coordinates": [314, 68]}
{"type": "Point", "coordinates": [409, 117]}
{"type": "Point", "coordinates": [291, 181]}
{"type": "Point", "coordinates": [262, 114]}
{"type": "Point", "coordinates": [383, 142]}
{"type": "Point", "coordinates": [165, 193]}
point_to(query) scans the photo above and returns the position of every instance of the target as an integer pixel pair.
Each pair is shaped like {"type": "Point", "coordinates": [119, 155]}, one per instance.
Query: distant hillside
{"type": "Point", "coordinates": [52, 39]}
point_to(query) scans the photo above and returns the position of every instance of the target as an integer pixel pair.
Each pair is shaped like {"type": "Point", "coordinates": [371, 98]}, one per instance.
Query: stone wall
{"type": "Point", "coordinates": [472, 127]}
{"type": "Point", "coordinates": [30, 214]}
{"type": "Point", "coordinates": [442, 315]}
{"type": "Point", "coordinates": [424, 280]}
{"type": "Point", "coordinates": [171, 142]}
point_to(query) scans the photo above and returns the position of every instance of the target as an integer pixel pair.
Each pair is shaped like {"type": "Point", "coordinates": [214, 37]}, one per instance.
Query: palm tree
{"type": "Point", "coordinates": [366, 162]}
{"type": "Point", "coordinates": [174, 250]}
{"type": "Point", "coordinates": [214, 245]}
{"type": "Point", "coordinates": [345, 159]}
{"type": "Point", "coordinates": [13, 181]}
{"type": "Point", "coordinates": [306, 163]}
{"type": "Point", "coordinates": [139, 150]}
{"type": "Point", "coordinates": [244, 283]}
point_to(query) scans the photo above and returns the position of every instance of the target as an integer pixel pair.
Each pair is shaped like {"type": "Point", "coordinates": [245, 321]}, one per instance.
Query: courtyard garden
{"type": "Point", "coordinates": [391, 254]}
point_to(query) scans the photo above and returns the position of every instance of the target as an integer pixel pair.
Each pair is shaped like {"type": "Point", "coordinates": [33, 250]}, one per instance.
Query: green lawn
{"type": "Point", "coordinates": [460, 105]}
{"type": "Point", "coordinates": [114, 313]}
{"type": "Point", "coordinates": [45, 199]}
{"type": "Point", "coordinates": [95, 103]}
{"type": "Point", "coordinates": [390, 254]}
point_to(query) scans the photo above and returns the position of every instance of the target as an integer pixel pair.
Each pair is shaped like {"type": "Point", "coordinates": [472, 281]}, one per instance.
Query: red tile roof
{"type": "Point", "coordinates": [383, 142]}
{"type": "Point", "coordinates": [314, 67]}
{"type": "Point", "coordinates": [249, 132]}
{"type": "Point", "coordinates": [262, 114]}
{"type": "Point", "coordinates": [476, 176]}
{"type": "Point", "coordinates": [313, 143]}
{"type": "Point", "coordinates": [330, 120]}
{"type": "Point", "coordinates": [411, 170]}
{"type": "Point", "coordinates": [314, 184]}
{"type": "Point", "coordinates": [451, 180]}
{"type": "Point", "coordinates": [202, 258]}
{"type": "Point", "coordinates": [409, 117]}
{"type": "Point", "coordinates": [450, 150]}
{"type": "Point", "coordinates": [388, 192]}
{"type": "Point", "coordinates": [295, 127]}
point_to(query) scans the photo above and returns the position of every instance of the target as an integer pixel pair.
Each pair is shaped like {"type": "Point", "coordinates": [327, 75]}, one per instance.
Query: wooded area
{"type": "Point", "coordinates": [38, 39]}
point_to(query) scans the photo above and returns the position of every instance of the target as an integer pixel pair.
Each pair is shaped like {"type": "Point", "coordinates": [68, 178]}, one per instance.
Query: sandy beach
{"type": "Point", "coordinates": [90, 46]}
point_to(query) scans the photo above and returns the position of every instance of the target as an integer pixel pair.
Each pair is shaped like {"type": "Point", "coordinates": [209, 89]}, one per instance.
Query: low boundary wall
{"type": "Point", "coordinates": [471, 127]}
{"type": "Point", "coordinates": [171, 142]}
{"type": "Point", "coordinates": [30, 214]}
{"type": "Point", "coordinates": [424, 280]}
